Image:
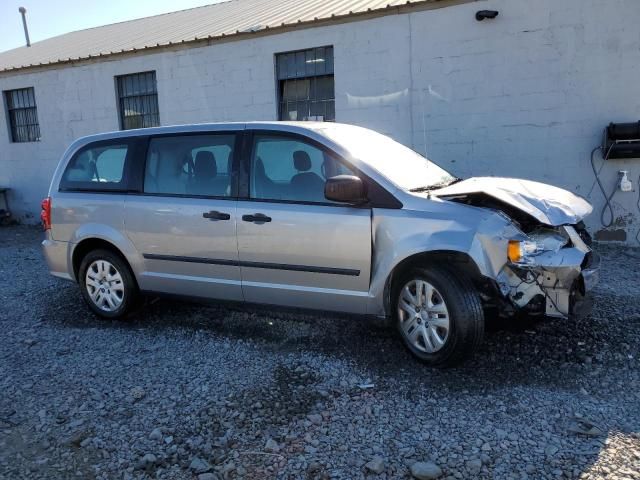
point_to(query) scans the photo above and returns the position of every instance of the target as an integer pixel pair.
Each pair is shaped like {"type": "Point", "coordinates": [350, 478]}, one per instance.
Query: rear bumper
{"type": "Point", "coordinates": [57, 256]}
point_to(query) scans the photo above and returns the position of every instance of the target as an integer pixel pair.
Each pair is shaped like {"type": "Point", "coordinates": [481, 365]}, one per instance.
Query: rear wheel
{"type": "Point", "coordinates": [107, 284]}
{"type": "Point", "coordinates": [439, 315]}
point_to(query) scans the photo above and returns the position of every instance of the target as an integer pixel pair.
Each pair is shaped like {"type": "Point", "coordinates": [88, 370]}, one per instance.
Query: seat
{"type": "Point", "coordinates": [264, 187]}
{"type": "Point", "coordinates": [306, 185]}
{"type": "Point", "coordinates": [79, 173]}
{"type": "Point", "coordinates": [84, 170]}
{"type": "Point", "coordinates": [205, 176]}
{"type": "Point", "coordinates": [169, 177]}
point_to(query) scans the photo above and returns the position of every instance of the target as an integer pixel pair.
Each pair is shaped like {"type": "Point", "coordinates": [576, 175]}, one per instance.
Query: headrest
{"type": "Point", "coordinates": [301, 161]}
{"type": "Point", "coordinates": [205, 164]}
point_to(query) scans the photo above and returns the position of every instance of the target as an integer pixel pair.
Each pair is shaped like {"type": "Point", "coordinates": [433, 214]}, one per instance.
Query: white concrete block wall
{"type": "Point", "coordinates": [529, 93]}
{"type": "Point", "coordinates": [524, 95]}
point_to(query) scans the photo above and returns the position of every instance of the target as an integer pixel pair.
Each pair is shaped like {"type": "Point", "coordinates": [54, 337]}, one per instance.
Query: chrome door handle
{"type": "Point", "coordinates": [256, 218]}
{"type": "Point", "coordinates": [214, 215]}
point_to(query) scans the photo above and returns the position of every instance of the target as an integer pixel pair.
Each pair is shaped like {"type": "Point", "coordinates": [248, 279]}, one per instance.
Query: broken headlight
{"type": "Point", "coordinates": [539, 241]}
{"type": "Point", "coordinates": [520, 251]}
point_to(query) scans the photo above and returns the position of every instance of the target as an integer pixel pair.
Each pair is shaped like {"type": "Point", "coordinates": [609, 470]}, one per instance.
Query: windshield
{"type": "Point", "coordinates": [404, 167]}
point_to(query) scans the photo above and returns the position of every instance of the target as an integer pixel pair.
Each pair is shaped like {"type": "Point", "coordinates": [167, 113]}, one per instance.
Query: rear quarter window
{"type": "Point", "coordinates": [98, 167]}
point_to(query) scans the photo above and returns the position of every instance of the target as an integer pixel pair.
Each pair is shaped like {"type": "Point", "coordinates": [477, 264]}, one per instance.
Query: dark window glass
{"type": "Point", "coordinates": [138, 100]}
{"type": "Point", "coordinates": [23, 115]}
{"type": "Point", "coordinates": [306, 85]}
{"type": "Point", "coordinates": [97, 167]}
{"type": "Point", "coordinates": [284, 168]}
{"type": "Point", "coordinates": [190, 165]}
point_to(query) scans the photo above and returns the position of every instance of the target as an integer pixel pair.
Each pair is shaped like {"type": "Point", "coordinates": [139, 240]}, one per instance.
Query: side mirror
{"type": "Point", "coordinates": [345, 189]}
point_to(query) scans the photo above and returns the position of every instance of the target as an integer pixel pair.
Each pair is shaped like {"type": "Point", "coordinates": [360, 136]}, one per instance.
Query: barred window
{"type": "Point", "coordinates": [22, 115]}
{"type": "Point", "coordinates": [138, 98]}
{"type": "Point", "coordinates": [306, 85]}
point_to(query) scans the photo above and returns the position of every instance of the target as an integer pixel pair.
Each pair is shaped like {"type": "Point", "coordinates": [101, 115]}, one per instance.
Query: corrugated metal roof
{"type": "Point", "coordinates": [220, 20]}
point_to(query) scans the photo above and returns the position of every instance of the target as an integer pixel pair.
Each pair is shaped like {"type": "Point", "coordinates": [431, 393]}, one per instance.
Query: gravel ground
{"type": "Point", "coordinates": [194, 392]}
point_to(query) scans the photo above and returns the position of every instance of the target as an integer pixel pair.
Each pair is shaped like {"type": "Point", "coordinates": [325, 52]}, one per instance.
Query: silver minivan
{"type": "Point", "coordinates": [322, 216]}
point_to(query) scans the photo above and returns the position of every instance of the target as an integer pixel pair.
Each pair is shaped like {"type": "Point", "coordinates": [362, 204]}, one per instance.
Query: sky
{"type": "Point", "coordinates": [48, 18]}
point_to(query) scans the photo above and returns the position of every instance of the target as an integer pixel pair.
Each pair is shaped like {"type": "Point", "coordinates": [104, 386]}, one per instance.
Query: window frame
{"type": "Point", "coordinates": [280, 80]}
{"type": "Point", "coordinates": [141, 167]}
{"type": "Point", "coordinates": [133, 151]}
{"type": "Point", "coordinates": [378, 196]}
{"type": "Point", "coordinates": [120, 99]}
{"type": "Point", "coordinates": [10, 125]}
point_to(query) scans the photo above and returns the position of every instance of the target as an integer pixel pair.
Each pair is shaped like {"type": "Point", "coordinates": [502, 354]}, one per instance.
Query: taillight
{"type": "Point", "coordinates": [45, 214]}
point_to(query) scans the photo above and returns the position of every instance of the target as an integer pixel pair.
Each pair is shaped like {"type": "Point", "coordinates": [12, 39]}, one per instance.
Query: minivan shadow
{"type": "Point", "coordinates": [516, 353]}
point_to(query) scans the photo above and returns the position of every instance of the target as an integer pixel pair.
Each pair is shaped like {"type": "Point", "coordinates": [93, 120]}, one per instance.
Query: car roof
{"type": "Point", "coordinates": [294, 127]}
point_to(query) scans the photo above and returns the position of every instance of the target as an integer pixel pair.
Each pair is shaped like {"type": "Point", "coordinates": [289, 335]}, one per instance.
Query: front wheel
{"type": "Point", "coordinates": [439, 315]}
{"type": "Point", "coordinates": [107, 284]}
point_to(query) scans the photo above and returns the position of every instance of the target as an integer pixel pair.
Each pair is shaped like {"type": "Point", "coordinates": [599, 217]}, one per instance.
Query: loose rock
{"type": "Point", "coordinates": [375, 465]}
{"type": "Point", "coordinates": [148, 460]}
{"type": "Point", "coordinates": [474, 466]}
{"type": "Point", "coordinates": [208, 476]}
{"type": "Point", "coordinates": [315, 418]}
{"type": "Point", "coordinates": [199, 466]}
{"type": "Point", "coordinates": [425, 471]}
{"type": "Point", "coordinates": [137, 393]}
{"type": "Point", "coordinates": [272, 446]}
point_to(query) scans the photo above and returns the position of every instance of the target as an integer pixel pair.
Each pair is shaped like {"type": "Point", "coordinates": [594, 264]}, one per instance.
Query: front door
{"type": "Point", "coordinates": [297, 248]}
{"type": "Point", "coordinates": [184, 222]}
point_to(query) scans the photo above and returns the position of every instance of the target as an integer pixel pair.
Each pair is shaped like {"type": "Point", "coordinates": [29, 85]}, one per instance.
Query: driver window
{"type": "Point", "coordinates": [284, 168]}
{"type": "Point", "coordinates": [198, 165]}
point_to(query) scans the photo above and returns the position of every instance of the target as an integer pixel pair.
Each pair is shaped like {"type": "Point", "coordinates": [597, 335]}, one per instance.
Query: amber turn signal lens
{"type": "Point", "coordinates": [514, 251]}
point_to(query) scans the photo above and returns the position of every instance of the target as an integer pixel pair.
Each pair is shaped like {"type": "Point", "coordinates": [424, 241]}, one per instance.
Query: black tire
{"type": "Point", "coordinates": [466, 317]}
{"type": "Point", "coordinates": [130, 288]}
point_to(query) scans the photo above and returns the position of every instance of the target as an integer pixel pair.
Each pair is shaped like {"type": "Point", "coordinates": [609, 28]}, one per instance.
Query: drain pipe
{"type": "Point", "coordinates": [23, 12]}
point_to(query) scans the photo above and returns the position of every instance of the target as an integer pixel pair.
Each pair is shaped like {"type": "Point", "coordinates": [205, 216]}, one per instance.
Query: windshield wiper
{"type": "Point", "coordinates": [435, 186]}
{"type": "Point", "coordinates": [455, 180]}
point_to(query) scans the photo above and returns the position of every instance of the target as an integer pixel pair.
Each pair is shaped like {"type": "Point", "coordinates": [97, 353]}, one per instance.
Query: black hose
{"type": "Point", "coordinates": [607, 198]}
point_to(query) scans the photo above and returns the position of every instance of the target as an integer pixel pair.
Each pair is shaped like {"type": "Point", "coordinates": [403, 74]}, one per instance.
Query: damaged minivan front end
{"type": "Point", "coordinates": [550, 272]}
{"type": "Point", "coordinates": [549, 267]}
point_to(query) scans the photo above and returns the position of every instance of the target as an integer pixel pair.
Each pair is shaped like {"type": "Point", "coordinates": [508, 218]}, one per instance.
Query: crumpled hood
{"type": "Point", "coordinates": [547, 204]}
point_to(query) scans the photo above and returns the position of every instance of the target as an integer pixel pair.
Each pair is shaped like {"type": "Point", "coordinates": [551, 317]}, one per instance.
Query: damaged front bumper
{"type": "Point", "coordinates": [581, 298]}
{"type": "Point", "coordinates": [554, 283]}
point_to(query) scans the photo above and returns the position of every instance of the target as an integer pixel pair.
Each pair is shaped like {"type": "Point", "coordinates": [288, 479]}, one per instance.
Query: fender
{"type": "Point", "coordinates": [398, 236]}
{"type": "Point", "coordinates": [111, 235]}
